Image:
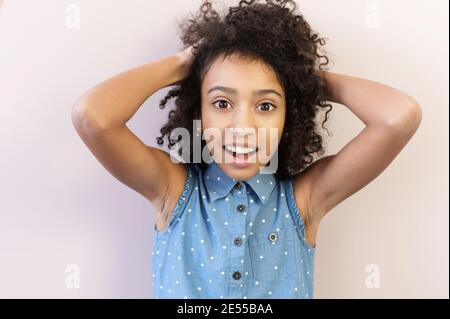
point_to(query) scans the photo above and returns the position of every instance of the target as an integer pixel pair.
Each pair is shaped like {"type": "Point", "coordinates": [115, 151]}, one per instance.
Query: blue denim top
{"type": "Point", "coordinates": [233, 239]}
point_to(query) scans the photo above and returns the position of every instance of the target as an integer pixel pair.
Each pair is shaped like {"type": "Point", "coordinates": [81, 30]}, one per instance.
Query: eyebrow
{"type": "Point", "coordinates": [233, 91]}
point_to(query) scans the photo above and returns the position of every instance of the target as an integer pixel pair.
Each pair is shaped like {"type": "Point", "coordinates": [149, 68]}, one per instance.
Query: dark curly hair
{"type": "Point", "coordinates": [270, 32]}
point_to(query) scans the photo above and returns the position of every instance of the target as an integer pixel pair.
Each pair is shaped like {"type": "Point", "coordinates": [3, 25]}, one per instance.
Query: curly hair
{"type": "Point", "coordinates": [273, 33]}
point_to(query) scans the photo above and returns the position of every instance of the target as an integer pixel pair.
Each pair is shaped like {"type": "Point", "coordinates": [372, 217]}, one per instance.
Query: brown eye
{"type": "Point", "coordinates": [224, 102]}
{"type": "Point", "coordinates": [267, 106]}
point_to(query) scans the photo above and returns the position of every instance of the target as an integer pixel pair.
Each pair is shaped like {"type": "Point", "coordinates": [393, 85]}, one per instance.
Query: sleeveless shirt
{"type": "Point", "coordinates": [233, 239]}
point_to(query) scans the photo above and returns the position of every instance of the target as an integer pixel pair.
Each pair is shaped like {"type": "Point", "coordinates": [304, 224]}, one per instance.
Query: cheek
{"type": "Point", "coordinates": [276, 128]}
{"type": "Point", "coordinates": [211, 134]}
{"type": "Point", "coordinates": [209, 119]}
{"type": "Point", "coordinates": [274, 139]}
{"type": "Point", "coordinates": [280, 126]}
{"type": "Point", "coordinates": [273, 135]}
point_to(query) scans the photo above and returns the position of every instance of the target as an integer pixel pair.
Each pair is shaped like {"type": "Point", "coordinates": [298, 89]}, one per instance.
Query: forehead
{"type": "Point", "coordinates": [236, 71]}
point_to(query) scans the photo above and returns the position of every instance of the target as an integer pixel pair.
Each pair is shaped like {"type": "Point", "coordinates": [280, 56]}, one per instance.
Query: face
{"type": "Point", "coordinates": [242, 104]}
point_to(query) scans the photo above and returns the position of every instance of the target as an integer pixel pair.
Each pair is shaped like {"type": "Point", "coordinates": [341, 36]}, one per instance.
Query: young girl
{"type": "Point", "coordinates": [243, 227]}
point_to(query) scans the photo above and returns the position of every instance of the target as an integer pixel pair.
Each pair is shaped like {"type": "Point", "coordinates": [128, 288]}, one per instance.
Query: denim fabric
{"type": "Point", "coordinates": [233, 239]}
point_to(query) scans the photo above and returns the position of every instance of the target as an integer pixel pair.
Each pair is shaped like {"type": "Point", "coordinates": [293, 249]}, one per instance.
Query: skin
{"type": "Point", "coordinates": [100, 116]}
{"type": "Point", "coordinates": [242, 110]}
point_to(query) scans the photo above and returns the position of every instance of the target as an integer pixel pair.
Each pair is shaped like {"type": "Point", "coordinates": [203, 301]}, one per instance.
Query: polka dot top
{"type": "Point", "coordinates": [233, 239]}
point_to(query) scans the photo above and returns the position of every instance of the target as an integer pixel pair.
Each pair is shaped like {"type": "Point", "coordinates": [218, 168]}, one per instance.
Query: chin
{"type": "Point", "coordinates": [240, 172]}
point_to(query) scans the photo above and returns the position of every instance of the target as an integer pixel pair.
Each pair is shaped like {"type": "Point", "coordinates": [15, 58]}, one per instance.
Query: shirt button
{"type": "Point", "coordinates": [273, 237]}
{"type": "Point", "coordinates": [236, 275]}
{"type": "Point", "coordinates": [240, 208]}
{"type": "Point", "coordinates": [237, 241]}
{"type": "Point", "coordinates": [238, 186]}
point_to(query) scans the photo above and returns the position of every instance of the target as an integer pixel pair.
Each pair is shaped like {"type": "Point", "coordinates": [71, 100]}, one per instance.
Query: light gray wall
{"type": "Point", "coordinates": [60, 207]}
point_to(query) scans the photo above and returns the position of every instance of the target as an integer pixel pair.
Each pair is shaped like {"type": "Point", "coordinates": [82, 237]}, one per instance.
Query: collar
{"type": "Point", "coordinates": [219, 184]}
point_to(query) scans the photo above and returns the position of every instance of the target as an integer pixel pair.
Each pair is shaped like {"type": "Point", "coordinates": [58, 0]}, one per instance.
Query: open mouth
{"type": "Point", "coordinates": [240, 154]}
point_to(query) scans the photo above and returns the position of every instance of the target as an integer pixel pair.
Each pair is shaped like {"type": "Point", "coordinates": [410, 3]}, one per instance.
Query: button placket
{"type": "Point", "coordinates": [240, 198]}
{"type": "Point", "coordinates": [237, 249]}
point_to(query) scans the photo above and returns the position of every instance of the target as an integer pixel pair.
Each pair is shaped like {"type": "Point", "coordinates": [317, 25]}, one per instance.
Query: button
{"type": "Point", "coordinates": [237, 241]}
{"type": "Point", "coordinates": [273, 237]}
{"type": "Point", "coordinates": [236, 275]}
{"type": "Point", "coordinates": [240, 208]}
{"type": "Point", "coordinates": [238, 186]}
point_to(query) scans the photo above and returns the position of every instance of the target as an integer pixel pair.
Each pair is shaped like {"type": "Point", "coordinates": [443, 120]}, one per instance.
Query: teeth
{"type": "Point", "coordinates": [239, 149]}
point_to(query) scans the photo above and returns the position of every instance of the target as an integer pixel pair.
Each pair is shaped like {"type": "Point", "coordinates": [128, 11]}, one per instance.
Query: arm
{"type": "Point", "coordinates": [391, 117]}
{"type": "Point", "coordinates": [100, 117]}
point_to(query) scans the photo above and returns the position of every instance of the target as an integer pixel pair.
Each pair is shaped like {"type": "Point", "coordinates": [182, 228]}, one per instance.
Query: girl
{"type": "Point", "coordinates": [234, 224]}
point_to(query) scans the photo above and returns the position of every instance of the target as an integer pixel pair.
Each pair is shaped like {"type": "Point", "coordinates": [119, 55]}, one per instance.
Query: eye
{"type": "Point", "coordinates": [267, 109]}
{"type": "Point", "coordinates": [219, 107]}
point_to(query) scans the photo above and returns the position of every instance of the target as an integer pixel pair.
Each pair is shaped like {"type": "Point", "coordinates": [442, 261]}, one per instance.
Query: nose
{"type": "Point", "coordinates": [242, 123]}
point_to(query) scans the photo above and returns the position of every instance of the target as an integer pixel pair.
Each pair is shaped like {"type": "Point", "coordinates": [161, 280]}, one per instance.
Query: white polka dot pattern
{"type": "Point", "coordinates": [233, 242]}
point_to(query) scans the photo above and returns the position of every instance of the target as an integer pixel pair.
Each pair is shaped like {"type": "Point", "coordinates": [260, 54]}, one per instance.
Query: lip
{"type": "Point", "coordinates": [243, 145]}
{"type": "Point", "coordinates": [242, 160]}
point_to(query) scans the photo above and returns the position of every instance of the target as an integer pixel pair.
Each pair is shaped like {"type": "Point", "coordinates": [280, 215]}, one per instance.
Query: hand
{"type": "Point", "coordinates": [189, 53]}
{"type": "Point", "coordinates": [187, 56]}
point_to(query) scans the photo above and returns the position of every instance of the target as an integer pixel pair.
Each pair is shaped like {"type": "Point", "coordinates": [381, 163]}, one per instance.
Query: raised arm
{"type": "Point", "coordinates": [391, 117]}
{"type": "Point", "coordinates": [100, 116]}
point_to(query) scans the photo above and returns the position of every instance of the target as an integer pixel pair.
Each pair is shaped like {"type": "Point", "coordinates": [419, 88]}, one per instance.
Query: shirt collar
{"type": "Point", "coordinates": [219, 184]}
